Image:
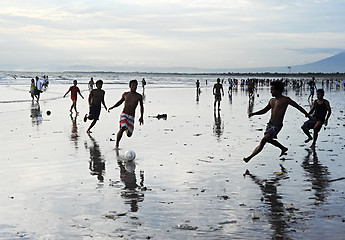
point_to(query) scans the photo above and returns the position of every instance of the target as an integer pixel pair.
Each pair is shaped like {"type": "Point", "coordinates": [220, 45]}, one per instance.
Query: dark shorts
{"type": "Point", "coordinates": [218, 97]}
{"type": "Point", "coordinates": [37, 92]}
{"type": "Point", "coordinates": [311, 124]}
{"type": "Point", "coordinates": [272, 130]}
{"type": "Point", "coordinates": [95, 111]}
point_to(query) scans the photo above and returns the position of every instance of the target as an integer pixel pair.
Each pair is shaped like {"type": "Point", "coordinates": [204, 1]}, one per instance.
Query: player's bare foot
{"type": "Point", "coordinates": [308, 140]}
{"type": "Point", "coordinates": [284, 150]}
{"type": "Point", "coordinates": [247, 159]}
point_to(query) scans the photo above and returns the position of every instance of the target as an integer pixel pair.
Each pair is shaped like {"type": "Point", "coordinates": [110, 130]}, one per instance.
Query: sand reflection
{"type": "Point", "coordinates": [318, 175]}
{"type": "Point", "coordinates": [132, 192]}
{"type": "Point", "coordinates": [36, 114]}
{"type": "Point", "coordinates": [276, 215]}
{"type": "Point", "coordinates": [198, 91]}
{"type": "Point", "coordinates": [74, 130]}
{"type": "Point", "coordinates": [251, 104]}
{"type": "Point", "coordinates": [218, 126]}
{"type": "Point", "coordinates": [96, 163]}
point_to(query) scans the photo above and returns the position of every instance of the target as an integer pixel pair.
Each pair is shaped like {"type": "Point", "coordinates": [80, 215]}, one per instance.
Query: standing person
{"type": "Point", "coordinates": [32, 89]}
{"type": "Point", "coordinates": [131, 100]}
{"type": "Point", "coordinates": [74, 93]}
{"type": "Point", "coordinates": [197, 84]}
{"type": "Point", "coordinates": [312, 86]}
{"type": "Point", "coordinates": [278, 106]}
{"type": "Point", "coordinates": [230, 86]}
{"type": "Point", "coordinates": [45, 81]}
{"type": "Point", "coordinates": [96, 98]}
{"type": "Point", "coordinates": [322, 111]}
{"type": "Point", "coordinates": [218, 92]}
{"type": "Point", "coordinates": [38, 88]}
{"type": "Point", "coordinates": [251, 87]}
{"type": "Point", "coordinates": [91, 84]}
{"type": "Point", "coordinates": [143, 83]}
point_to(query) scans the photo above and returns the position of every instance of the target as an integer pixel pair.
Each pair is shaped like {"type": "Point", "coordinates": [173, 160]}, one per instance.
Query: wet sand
{"type": "Point", "coordinates": [188, 180]}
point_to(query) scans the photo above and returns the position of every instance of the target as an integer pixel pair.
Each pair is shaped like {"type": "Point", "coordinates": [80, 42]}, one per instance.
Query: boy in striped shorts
{"type": "Point", "coordinates": [131, 100]}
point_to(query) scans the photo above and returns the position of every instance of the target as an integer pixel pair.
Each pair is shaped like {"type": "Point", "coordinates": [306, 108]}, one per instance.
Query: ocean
{"type": "Point", "coordinates": [109, 78]}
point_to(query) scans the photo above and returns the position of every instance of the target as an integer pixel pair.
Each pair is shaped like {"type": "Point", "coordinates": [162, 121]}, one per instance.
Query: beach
{"type": "Point", "coordinates": [188, 180]}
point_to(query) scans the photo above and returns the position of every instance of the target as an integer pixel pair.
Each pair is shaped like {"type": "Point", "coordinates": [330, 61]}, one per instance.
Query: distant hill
{"type": "Point", "coordinates": [332, 64]}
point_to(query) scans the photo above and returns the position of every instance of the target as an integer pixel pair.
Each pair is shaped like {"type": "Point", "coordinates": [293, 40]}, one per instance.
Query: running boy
{"type": "Point", "coordinates": [278, 106]}
{"type": "Point", "coordinates": [320, 108]}
{"type": "Point", "coordinates": [131, 100]}
{"type": "Point", "coordinates": [96, 98]}
{"type": "Point", "coordinates": [74, 93]}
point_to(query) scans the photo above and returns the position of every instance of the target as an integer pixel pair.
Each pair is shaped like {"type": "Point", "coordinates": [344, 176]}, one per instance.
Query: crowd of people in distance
{"type": "Point", "coordinates": [318, 115]}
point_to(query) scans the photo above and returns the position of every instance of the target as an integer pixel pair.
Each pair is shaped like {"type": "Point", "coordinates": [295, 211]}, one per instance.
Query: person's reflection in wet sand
{"type": "Point", "coordinates": [197, 96]}
{"type": "Point", "coordinates": [272, 198]}
{"type": "Point", "coordinates": [251, 104]}
{"type": "Point", "coordinates": [144, 96]}
{"type": "Point", "coordinates": [230, 97]}
{"type": "Point", "coordinates": [96, 163]}
{"type": "Point", "coordinates": [36, 114]}
{"type": "Point", "coordinates": [218, 126]}
{"type": "Point", "coordinates": [74, 130]}
{"type": "Point", "coordinates": [131, 192]}
{"type": "Point", "coordinates": [317, 174]}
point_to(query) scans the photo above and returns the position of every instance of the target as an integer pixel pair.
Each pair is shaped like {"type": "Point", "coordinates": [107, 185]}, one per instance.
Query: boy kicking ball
{"type": "Point", "coordinates": [131, 100]}
{"type": "Point", "coordinates": [278, 106]}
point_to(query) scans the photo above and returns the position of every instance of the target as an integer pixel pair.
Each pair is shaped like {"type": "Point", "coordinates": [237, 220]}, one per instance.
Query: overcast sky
{"type": "Point", "coordinates": [36, 34]}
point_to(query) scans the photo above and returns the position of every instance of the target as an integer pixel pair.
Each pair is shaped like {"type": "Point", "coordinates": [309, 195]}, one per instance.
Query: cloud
{"type": "Point", "coordinates": [196, 33]}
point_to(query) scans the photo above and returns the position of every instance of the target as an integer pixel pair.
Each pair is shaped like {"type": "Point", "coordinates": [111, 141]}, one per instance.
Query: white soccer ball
{"type": "Point", "coordinates": [130, 155]}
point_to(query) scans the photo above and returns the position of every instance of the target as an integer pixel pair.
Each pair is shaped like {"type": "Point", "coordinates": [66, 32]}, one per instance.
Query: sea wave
{"type": "Point", "coordinates": [155, 79]}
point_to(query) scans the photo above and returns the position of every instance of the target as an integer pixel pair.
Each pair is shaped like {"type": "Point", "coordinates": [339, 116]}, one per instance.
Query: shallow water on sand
{"type": "Point", "coordinates": [188, 180]}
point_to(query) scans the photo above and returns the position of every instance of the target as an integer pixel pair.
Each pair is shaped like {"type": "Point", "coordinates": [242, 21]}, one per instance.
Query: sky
{"type": "Point", "coordinates": [114, 34]}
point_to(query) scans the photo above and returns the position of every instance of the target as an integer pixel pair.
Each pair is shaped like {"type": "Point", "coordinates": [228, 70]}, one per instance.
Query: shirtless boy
{"type": "Point", "coordinates": [74, 93]}
{"type": "Point", "coordinates": [217, 92]}
{"type": "Point", "coordinates": [131, 100]}
{"type": "Point", "coordinates": [278, 106]}
{"type": "Point", "coordinates": [96, 98]}
{"type": "Point", "coordinates": [320, 108]}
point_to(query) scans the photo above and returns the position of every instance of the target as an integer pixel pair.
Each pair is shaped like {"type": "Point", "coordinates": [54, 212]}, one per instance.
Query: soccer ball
{"type": "Point", "coordinates": [130, 155]}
